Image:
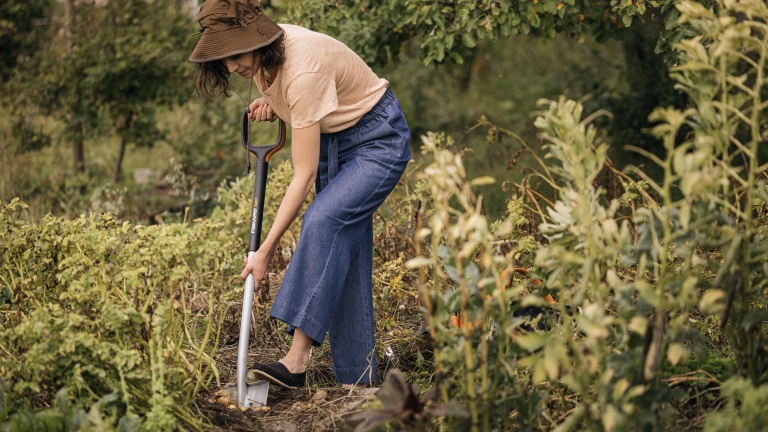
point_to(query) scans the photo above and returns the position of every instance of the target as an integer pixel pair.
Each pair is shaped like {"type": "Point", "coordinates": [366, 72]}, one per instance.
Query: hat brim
{"type": "Point", "coordinates": [237, 40]}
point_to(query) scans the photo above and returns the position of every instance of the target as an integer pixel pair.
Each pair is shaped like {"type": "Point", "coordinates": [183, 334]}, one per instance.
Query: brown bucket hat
{"type": "Point", "coordinates": [232, 27]}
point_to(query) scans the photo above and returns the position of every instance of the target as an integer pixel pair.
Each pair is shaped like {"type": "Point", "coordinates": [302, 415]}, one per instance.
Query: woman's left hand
{"type": "Point", "coordinates": [257, 266]}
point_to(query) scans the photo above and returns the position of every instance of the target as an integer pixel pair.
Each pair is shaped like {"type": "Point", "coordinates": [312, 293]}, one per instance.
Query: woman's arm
{"type": "Point", "coordinates": [305, 155]}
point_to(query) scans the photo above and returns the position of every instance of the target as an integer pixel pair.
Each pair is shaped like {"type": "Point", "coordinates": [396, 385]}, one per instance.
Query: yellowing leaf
{"type": "Point", "coordinates": [635, 392]}
{"type": "Point", "coordinates": [676, 353]}
{"type": "Point", "coordinates": [610, 415]}
{"type": "Point", "coordinates": [620, 388]}
{"type": "Point", "coordinates": [551, 365]}
{"type": "Point", "coordinates": [592, 329]}
{"type": "Point", "coordinates": [539, 374]}
{"type": "Point", "coordinates": [711, 301]}
{"type": "Point", "coordinates": [532, 341]}
{"type": "Point", "coordinates": [483, 181]}
{"type": "Point", "coordinates": [638, 325]}
{"type": "Point", "coordinates": [418, 262]}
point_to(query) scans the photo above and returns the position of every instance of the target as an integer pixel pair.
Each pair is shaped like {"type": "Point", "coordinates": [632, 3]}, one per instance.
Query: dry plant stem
{"type": "Point", "coordinates": [8, 353]}
{"type": "Point", "coordinates": [493, 386]}
{"type": "Point", "coordinates": [693, 376]}
{"type": "Point", "coordinates": [662, 245]}
{"type": "Point", "coordinates": [522, 142]}
{"type": "Point", "coordinates": [467, 330]}
{"type": "Point", "coordinates": [222, 314]}
{"type": "Point", "coordinates": [547, 417]}
{"type": "Point", "coordinates": [427, 302]}
{"type": "Point", "coordinates": [204, 343]}
{"type": "Point", "coordinates": [729, 298]}
{"type": "Point", "coordinates": [533, 194]}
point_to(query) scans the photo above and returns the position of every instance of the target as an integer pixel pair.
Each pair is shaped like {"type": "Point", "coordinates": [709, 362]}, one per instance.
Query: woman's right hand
{"type": "Point", "coordinates": [261, 111]}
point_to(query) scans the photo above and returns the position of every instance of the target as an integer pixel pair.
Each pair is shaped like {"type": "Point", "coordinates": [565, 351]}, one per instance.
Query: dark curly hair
{"type": "Point", "coordinates": [213, 76]}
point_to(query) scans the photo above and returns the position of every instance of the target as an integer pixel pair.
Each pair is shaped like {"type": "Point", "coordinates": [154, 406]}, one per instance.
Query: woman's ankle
{"type": "Point", "coordinates": [298, 355]}
{"type": "Point", "coordinates": [295, 365]}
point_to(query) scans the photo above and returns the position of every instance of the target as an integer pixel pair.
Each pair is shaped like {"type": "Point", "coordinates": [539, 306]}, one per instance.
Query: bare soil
{"type": "Point", "coordinates": [322, 409]}
{"type": "Point", "coordinates": [323, 405]}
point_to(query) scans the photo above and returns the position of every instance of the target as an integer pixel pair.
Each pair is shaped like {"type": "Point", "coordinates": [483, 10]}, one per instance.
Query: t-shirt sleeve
{"type": "Point", "coordinates": [311, 96]}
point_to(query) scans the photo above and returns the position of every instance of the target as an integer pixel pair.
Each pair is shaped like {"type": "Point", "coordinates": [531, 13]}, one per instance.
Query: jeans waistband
{"type": "Point", "coordinates": [381, 105]}
{"type": "Point", "coordinates": [333, 143]}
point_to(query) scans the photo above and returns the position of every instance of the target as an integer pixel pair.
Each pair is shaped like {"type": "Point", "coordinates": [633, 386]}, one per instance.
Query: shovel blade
{"type": "Point", "coordinates": [255, 394]}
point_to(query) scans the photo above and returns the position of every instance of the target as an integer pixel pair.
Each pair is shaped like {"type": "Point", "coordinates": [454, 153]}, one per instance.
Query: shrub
{"type": "Point", "coordinates": [628, 287]}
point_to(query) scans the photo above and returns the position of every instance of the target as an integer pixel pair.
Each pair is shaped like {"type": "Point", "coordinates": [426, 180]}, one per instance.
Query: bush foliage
{"type": "Point", "coordinates": [119, 317]}
{"type": "Point", "coordinates": [660, 284]}
{"type": "Point", "coordinates": [631, 273]}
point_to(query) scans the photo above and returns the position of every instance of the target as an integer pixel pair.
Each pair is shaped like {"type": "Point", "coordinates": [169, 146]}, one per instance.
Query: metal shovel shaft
{"type": "Point", "coordinates": [242, 348]}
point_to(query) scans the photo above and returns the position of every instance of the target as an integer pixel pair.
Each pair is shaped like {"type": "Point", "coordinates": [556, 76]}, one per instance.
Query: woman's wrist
{"type": "Point", "coordinates": [266, 251]}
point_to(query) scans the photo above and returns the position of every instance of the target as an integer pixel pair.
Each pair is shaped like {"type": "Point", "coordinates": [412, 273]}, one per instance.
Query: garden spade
{"type": "Point", "coordinates": [254, 395]}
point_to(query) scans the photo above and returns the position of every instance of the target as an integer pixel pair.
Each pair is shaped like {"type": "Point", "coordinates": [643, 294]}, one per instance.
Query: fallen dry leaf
{"type": "Point", "coordinates": [319, 397]}
{"type": "Point", "coordinates": [299, 406]}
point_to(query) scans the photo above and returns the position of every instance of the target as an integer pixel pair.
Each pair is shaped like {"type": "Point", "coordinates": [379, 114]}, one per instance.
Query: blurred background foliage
{"type": "Point", "coordinates": [635, 193]}
{"type": "Point", "coordinates": [98, 95]}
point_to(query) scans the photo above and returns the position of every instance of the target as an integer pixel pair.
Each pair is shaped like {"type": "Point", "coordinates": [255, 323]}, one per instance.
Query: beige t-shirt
{"type": "Point", "coordinates": [322, 80]}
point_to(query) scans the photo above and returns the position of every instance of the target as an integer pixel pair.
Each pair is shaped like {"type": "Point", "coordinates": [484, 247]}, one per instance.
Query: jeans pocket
{"type": "Point", "coordinates": [394, 121]}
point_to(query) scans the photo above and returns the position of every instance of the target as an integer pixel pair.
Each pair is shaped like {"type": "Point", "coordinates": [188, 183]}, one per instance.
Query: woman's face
{"type": "Point", "coordinates": [245, 64]}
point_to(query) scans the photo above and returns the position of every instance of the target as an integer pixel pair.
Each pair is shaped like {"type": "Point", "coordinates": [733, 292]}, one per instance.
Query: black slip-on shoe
{"type": "Point", "coordinates": [278, 374]}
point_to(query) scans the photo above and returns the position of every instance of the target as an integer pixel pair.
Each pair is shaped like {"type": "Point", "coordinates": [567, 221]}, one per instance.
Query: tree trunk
{"type": "Point", "coordinates": [127, 125]}
{"type": "Point", "coordinates": [119, 164]}
{"type": "Point", "coordinates": [649, 87]}
{"type": "Point", "coordinates": [69, 23]}
{"type": "Point", "coordinates": [78, 150]}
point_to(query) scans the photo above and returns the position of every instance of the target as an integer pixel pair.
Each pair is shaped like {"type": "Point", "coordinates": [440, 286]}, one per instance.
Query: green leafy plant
{"type": "Point", "coordinates": [99, 307]}
{"type": "Point", "coordinates": [448, 30]}
{"type": "Point", "coordinates": [461, 273]}
{"type": "Point", "coordinates": [627, 287]}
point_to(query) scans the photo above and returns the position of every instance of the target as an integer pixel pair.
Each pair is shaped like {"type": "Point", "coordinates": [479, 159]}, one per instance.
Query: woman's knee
{"type": "Point", "coordinates": [317, 220]}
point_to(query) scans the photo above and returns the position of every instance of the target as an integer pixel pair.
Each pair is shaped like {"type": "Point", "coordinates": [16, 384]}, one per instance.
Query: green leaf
{"type": "Point", "coordinates": [532, 341]}
{"type": "Point", "coordinates": [469, 40]}
{"type": "Point", "coordinates": [458, 59]}
{"type": "Point", "coordinates": [754, 318]}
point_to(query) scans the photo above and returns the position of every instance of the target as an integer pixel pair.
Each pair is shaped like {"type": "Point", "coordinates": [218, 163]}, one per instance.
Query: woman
{"type": "Point", "coordinates": [350, 140]}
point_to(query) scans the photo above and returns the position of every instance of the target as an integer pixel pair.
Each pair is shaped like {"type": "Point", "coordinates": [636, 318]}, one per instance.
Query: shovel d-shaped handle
{"type": "Point", "coordinates": [263, 153]}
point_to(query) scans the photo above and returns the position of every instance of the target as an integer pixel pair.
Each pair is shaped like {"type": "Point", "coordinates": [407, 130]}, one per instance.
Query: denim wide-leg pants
{"type": "Point", "coordinates": [327, 287]}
